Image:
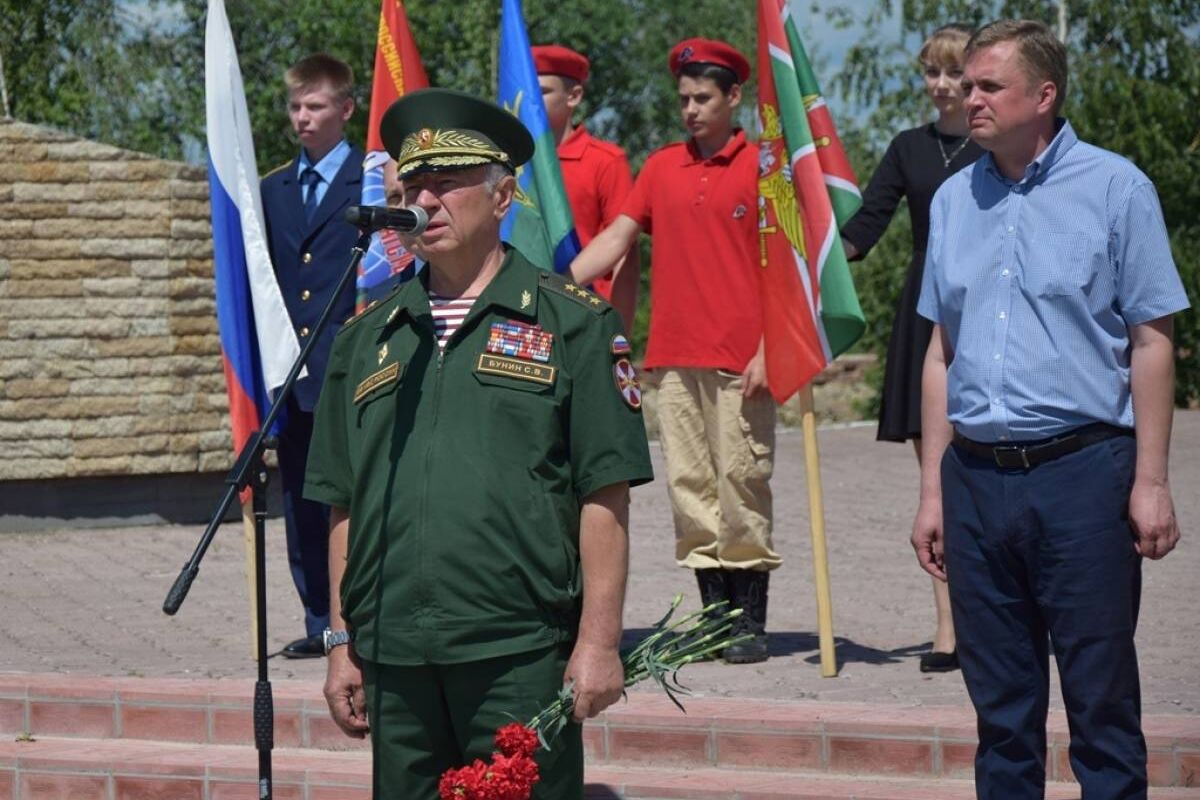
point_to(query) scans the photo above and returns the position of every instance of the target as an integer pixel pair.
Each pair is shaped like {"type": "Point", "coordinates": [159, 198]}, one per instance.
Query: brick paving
{"type": "Point", "coordinates": [88, 601]}
{"type": "Point", "coordinates": [193, 729]}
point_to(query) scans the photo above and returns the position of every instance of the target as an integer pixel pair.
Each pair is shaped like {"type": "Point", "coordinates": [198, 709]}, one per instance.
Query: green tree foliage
{"type": "Point", "coordinates": [131, 73]}
{"type": "Point", "coordinates": [93, 67]}
{"type": "Point", "coordinates": [96, 68]}
{"type": "Point", "coordinates": [630, 96]}
{"type": "Point", "coordinates": [1134, 89]}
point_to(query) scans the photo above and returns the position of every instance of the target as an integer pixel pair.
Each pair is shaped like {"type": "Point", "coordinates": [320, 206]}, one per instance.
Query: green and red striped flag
{"type": "Point", "coordinates": [806, 189]}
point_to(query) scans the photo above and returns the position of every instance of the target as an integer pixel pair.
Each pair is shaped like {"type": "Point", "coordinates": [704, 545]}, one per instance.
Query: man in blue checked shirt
{"type": "Point", "coordinates": [1051, 284]}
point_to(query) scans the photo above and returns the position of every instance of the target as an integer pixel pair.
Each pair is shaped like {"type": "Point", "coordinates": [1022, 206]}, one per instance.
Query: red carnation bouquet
{"type": "Point", "coordinates": [512, 772]}
{"type": "Point", "coordinates": [510, 775]}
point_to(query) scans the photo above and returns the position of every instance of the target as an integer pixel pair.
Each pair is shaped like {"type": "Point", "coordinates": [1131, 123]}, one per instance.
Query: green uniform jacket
{"type": "Point", "coordinates": [464, 470]}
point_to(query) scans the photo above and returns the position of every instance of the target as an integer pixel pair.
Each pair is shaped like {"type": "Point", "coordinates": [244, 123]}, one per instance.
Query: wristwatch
{"type": "Point", "coordinates": [332, 639]}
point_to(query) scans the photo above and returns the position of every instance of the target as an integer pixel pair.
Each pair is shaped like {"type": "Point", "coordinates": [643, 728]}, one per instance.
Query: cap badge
{"type": "Point", "coordinates": [686, 54]}
{"type": "Point", "coordinates": [425, 139]}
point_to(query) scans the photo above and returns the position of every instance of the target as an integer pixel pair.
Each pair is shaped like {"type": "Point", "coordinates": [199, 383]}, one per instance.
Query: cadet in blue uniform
{"type": "Point", "coordinates": [476, 438]}
{"type": "Point", "coordinates": [310, 247]}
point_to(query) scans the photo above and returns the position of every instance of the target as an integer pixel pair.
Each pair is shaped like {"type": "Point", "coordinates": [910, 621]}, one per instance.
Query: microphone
{"type": "Point", "coordinates": [372, 218]}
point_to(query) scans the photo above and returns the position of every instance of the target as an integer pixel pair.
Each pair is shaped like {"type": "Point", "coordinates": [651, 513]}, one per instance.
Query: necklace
{"type": "Point", "coordinates": [946, 159]}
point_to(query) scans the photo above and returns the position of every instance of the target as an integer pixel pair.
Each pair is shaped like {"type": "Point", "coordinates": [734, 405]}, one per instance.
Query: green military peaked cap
{"type": "Point", "coordinates": [440, 129]}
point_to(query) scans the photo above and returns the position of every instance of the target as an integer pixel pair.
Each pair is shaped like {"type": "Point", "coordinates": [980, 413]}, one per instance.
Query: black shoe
{"type": "Point", "coordinates": [934, 661]}
{"type": "Point", "coordinates": [308, 647]}
{"type": "Point", "coordinates": [748, 590]}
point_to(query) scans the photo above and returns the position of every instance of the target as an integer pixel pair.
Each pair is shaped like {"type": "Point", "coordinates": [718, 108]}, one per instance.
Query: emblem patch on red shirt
{"type": "Point", "coordinates": [520, 339]}
{"type": "Point", "coordinates": [626, 379]}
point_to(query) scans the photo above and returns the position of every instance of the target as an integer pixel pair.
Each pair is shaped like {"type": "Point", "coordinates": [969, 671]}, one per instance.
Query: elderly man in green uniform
{"type": "Point", "coordinates": [476, 437]}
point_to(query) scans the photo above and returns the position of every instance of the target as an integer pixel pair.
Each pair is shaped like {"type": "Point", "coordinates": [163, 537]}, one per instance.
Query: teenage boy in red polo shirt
{"type": "Point", "coordinates": [596, 172]}
{"type": "Point", "coordinates": [697, 199]}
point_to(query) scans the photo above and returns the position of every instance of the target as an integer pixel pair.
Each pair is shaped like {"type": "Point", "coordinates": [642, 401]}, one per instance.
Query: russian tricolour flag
{"type": "Point", "coordinates": [258, 343]}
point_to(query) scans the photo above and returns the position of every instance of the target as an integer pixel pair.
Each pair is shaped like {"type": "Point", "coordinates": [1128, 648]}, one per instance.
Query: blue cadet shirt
{"type": "Point", "coordinates": [328, 167]}
{"type": "Point", "coordinates": [1036, 282]}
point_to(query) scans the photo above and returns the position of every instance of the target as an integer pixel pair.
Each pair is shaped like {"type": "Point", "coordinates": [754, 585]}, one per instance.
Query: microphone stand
{"type": "Point", "coordinates": [249, 470]}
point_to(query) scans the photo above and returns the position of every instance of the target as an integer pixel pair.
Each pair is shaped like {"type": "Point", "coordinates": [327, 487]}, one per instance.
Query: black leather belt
{"type": "Point", "coordinates": [1027, 455]}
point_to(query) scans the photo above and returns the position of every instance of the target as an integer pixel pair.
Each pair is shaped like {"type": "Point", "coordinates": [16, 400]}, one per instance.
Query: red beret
{"type": "Point", "coordinates": [709, 51]}
{"type": "Point", "coordinates": [554, 59]}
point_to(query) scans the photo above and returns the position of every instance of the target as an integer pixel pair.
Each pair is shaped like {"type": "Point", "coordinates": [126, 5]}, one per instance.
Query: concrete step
{"type": "Point", "coordinates": [126, 769]}
{"type": "Point", "coordinates": [921, 743]}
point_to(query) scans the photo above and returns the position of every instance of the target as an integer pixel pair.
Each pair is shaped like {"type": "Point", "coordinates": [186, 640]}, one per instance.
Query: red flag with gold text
{"type": "Point", "coordinates": [398, 70]}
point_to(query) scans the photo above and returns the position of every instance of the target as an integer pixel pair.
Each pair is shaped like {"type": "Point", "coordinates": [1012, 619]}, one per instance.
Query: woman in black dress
{"type": "Point", "coordinates": [915, 165]}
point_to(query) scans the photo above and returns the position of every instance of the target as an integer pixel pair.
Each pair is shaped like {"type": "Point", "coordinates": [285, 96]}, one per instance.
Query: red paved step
{"type": "Point", "coordinates": [729, 734]}
{"type": "Point", "coordinates": [714, 784]}
{"type": "Point", "coordinates": [126, 769]}
{"type": "Point", "coordinates": [130, 769]}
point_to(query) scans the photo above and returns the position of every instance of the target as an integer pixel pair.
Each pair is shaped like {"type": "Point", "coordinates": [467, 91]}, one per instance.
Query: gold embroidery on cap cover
{"type": "Point", "coordinates": [447, 148]}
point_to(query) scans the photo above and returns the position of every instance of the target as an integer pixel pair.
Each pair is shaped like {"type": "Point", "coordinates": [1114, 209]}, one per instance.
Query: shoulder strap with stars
{"type": "Point", "coordinates": [559, 285]}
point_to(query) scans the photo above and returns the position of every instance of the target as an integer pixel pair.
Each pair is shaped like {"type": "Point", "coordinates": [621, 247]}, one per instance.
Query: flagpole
{"type": "Point", "coordinates": [248, 540]}
{"type": "Point", "coordinates": [816, 517]}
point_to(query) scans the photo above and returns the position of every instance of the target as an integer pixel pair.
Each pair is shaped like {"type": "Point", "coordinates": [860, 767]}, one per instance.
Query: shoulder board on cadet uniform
{"type": "Point", "coordinates": [371, 308]}
{"type": "Point", "coordinates": [284, 165]}
{"type": "Point", "coordinates": [559, 285]}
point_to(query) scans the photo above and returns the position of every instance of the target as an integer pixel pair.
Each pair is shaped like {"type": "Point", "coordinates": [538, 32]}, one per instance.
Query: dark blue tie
{"type": "Point", "coordinates": [309, 178]}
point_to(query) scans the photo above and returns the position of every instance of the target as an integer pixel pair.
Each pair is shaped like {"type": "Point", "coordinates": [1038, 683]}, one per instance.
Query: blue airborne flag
{"type": "Point", "coordinates": [540, 223]}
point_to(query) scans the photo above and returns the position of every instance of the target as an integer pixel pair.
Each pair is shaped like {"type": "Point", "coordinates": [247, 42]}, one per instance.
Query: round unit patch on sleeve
{"type": "Point", "coordinates": [627, 383]}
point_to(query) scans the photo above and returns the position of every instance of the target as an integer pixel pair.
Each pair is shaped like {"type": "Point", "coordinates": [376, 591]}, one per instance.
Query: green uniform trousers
{"type": "Point", "coordinates": [426, 719]}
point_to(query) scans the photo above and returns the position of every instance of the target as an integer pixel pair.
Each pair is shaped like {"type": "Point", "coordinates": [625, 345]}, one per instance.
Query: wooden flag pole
{"type": "Point", "coordinates": [816, 516]}
{"type": "Point", "coordinates": [248, 539]}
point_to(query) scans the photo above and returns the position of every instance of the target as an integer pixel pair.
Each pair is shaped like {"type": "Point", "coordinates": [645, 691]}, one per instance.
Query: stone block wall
{"type": "Point", "coordinates": [109, 358]}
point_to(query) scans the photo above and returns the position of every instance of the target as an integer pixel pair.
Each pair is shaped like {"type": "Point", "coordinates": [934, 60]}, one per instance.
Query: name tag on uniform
{"type": "Point", "coordinates": [387, 375]}
{"type": "Point", "coordinates": [515, 368]}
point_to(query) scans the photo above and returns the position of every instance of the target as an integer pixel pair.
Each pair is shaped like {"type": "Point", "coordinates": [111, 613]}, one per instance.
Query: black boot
{"type": "Point", "coordinates": [714, 588]}
{"type": "Point", "coordinates": [748, 591]}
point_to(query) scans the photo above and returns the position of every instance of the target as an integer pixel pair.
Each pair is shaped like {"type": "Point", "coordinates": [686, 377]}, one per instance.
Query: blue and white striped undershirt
{"type": "Point", "coordinates": [448, 314]}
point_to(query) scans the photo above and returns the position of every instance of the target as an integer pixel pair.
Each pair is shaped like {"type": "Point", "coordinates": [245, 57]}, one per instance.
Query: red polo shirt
{"type": "Point", "coordinates": [702, 216]}
{"type": "Point", "coordinates": [597, 177]}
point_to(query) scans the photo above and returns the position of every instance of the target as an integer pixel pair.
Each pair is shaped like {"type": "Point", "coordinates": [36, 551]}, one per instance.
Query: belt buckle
{"type": "Point", "coordinates": [1004, 457]}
